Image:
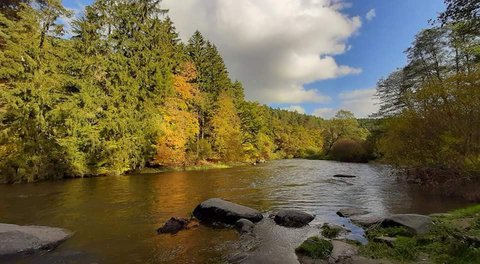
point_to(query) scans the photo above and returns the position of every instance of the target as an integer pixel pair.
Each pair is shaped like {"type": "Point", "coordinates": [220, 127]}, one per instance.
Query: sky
{"type": "Point", "coordinates": [310, 56]}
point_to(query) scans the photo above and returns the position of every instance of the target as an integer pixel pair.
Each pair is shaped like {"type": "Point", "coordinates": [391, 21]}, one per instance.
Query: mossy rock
{"type": "Point", "coordinates": [315, 248]}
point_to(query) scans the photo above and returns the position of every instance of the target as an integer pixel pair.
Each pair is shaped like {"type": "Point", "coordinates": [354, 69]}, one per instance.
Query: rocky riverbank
{"type": "Point", "coordinates": [286, 236]}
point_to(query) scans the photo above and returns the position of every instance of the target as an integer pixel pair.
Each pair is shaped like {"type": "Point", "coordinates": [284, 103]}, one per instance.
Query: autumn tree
{"type": "Point", "coordinates": [180, 127]}
{"type": "Point", "coordinates": [227, 129]}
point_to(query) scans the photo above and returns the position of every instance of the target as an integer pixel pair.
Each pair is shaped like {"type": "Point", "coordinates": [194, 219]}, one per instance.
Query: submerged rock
{"type": "Point", "coordinates": [15, 239]}
{"type": "Point", "coordinates": [244, 226]}
{"type": "Point", "coordinates": [175, 225]}
{"type": "Point", "coordinates": [344, 176]}
{"type": "Point", "coordinates": [292, 218]}
{"type": "Point", "coordinates": [216, 210]}
{"type": "Point", "coordinates": [420, 224]}
{"type": "Point", "coordinates": [348, 212]}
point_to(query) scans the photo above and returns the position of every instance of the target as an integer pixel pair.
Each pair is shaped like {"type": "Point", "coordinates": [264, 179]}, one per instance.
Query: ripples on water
{"type": "Point", "coordinates": [115, 218]}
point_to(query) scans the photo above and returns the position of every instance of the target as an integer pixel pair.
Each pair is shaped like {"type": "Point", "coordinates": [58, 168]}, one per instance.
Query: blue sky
{"type": "Point", "coordinates": [331, 58]}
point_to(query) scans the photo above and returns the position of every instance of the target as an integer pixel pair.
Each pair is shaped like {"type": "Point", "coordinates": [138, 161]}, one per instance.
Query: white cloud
{"type": "Point", "coordinates": [324, 112]}
{"type": "Point", "coordinates": [274, 47]}
{"type": "Point", "coordinates": [296, 108]}
{"type": "Point", "coordinates": [371, 14]}
{"type": "Point", "coordinates": [361, 102]}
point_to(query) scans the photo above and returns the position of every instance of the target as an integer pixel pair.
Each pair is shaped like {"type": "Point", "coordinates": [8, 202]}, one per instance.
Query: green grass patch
{"type": "Point", "coordinates": [404, 250]}
{"type": "Point", "coordinates": [388, 232]}
{"type": "Point", "coordinates": [316, 248]}
{"type": "Point", "coordinates": [330, 231]}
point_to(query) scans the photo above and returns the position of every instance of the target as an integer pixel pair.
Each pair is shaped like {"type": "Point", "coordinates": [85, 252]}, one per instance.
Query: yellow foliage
{"type": "Point", "coordinates": [180, 124]}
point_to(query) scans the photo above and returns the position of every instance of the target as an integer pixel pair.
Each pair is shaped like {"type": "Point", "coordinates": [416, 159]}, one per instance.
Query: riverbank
{"type": "Point", "coordinates": [453, 238]}
{"type": "Point", "coordinates": [208, 166]}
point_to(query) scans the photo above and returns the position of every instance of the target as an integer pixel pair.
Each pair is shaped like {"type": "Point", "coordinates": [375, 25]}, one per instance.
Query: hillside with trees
{"type": "Point", "coordinates": [123, 92]}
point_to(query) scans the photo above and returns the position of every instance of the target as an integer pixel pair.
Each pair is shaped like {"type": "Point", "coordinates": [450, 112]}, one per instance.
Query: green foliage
{"type": "Point", "coordinates": [348, 150]}
{"type": "Point", "coordinates": [432, 105]}
{"type": "Point", "coordinates": [316, 248]}
{"type": "Point", "coordinates": [344, 138]}
{"type": "Point", "coordinates": [123, 93]}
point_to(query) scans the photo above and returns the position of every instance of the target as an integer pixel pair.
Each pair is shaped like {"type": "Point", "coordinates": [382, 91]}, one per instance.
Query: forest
{"type": "Point", "coordinates": [123, 92]}
{"type": "Point", "coordinates": [116, 90]}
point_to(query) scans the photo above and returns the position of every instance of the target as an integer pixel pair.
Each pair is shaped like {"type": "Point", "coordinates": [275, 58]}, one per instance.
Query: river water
{"type": "Point", "coordinates": [115, 218]}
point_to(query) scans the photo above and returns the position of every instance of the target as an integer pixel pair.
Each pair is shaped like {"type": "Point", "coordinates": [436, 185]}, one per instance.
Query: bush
{"type": "Point", "coordinates": [348, 150]}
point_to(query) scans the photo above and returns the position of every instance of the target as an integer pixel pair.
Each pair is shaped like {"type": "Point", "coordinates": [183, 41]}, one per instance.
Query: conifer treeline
{"type": "Point", "coordinates": [123, 92]}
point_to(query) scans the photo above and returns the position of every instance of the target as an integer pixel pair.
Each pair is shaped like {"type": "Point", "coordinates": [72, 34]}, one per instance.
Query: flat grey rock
{"type": "Point", "coordinates": [216, 210]}
{"type": "Point", "coordinates": [292, 218]}
{"type": "Point", "coordinates": [342, 251]}
{"type": "Point", "coordinates": [366, 221]}
{"type": "Point", "coordinates": [420, 224]}
{"type": "Point", "coordinates": [348, 212]}
{"type": "Point", "coordinates": [15, 239]}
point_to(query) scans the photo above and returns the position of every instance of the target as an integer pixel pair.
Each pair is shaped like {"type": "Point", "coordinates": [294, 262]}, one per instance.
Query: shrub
{"type": "Point", "coordinates": [348, 150]}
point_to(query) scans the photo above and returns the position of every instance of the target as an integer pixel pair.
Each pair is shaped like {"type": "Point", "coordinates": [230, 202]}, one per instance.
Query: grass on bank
{"type": "Point", "coordinates": [315, 248]}
{"type": "Point", "coordinates": [454, 238]}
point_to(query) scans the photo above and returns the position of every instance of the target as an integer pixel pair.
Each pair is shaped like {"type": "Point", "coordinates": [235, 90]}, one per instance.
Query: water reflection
{"type": "Point", "coordinates": [115, 218]}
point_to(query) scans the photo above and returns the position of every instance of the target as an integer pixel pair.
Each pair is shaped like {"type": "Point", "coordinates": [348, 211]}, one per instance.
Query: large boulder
{"type": "Point", "coordinates": [216, 210]}
{"type": "Point", "coordinates": [292, 218]}
{"type": "Point", "coordinates": [15, 239]}
{"type": "Point", "coordinates": [419, 224]}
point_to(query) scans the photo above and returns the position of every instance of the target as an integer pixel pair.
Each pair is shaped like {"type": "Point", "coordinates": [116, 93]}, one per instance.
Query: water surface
{"type": "Point", "coordinates": [115, 218]}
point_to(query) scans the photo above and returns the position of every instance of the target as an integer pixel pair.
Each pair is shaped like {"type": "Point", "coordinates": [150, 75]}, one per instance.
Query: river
{"type": "Point", "coordinates": [115, 218]}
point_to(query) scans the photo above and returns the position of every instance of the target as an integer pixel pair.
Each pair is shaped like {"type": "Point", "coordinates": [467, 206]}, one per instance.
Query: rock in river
{"type": "Point", "coordinates": [292, 218]}
{"type": "Point", "coordinates": [216, 210]}
{"type": "Point", "coordinates": [344, 176]}
{"type": "Point", "coordinates": [174, 225]}
{"type": "Point", "coordinates": [16, 239]}
{"type": "Point", "coordinates": [244, 226]}
{"type": "Point", "coordinates": [420, 224]}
